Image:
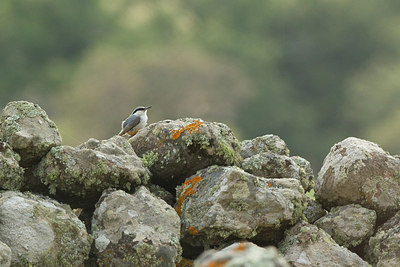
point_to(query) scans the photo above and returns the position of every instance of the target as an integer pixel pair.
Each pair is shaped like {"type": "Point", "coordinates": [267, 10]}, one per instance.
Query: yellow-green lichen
{"type": "Point", "coordinates": [149, 159]}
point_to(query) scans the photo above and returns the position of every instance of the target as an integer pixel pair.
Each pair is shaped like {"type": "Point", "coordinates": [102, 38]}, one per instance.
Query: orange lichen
{"type": "Point", "coordinates": [192, 230]}
{"type": "Point", "coordinates": [186, 190]}
{"type": "Point", "coordinates": [217, 263]}
{"type": "Point", "coordinates": [193, 127]}
{"type": "Point", "coordinates": [242, 246]}
{"type": "Point", "coordinates": [185, 263]}
{"type": "Point", "coordinates": [269, 184]}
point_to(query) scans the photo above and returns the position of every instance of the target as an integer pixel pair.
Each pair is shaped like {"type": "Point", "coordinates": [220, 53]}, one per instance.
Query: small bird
{"type": "Point", "coordinates": [136, 121]}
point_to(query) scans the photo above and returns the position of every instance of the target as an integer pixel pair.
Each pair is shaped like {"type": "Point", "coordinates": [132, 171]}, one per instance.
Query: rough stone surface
{"type": "Point", "coordinates": [11, 174]}
{"type": "Point", "coordinates": [92, 167]}
{"type": "Point", "coordinates": [384, 248]}
{"type": "Point", "coordinates": [138, 230]}
{"type": "Point", "coordinates": [225, 203]}
{"type": "Point", "coordinates": [41, 231]}
{"type": "Point", "coordinates": [307, 245]}
{"type": "Point", "coordinates": [5, 255]}
{"type": "Point", "coordinates": [241, 254]}
{"type": "Point", "coordinates": [306, 172]}
{"type": "Point", "coordinates": [28, 129]}
{"type": "Point", "coordinates": [348, 225]}
{"type": "Point", "coordinates": [314, 210]}
{"type": "Point", "coordinates": [172, 158]}
{"type": "Point", "coordinates": [360, 172]}
{"type": "Point", "coordinates": [266, 143]}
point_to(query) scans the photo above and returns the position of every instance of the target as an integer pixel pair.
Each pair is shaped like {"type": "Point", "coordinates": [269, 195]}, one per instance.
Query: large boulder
{"type": "Point", "coordinates": [307, 245]}
{"type": "Point", "coordinates": [348, 225]}
{"type": "Point", "coordinates": [135, 230]}
{"type": "Point", "coordinates": [384, 247]}
{"type": "Point", "coordinates": [87, 170]}
{"type": "Point", "coordinates": [41, 231]}
{"type": "Point", "coordinates": [241, 254]}
{"type": "Point", "coordinates": [11, 174]}
{"type": "Point", "coordinates": [175, 149]}
{"type": "Point", "coordinates": [220, 204]}
{"type": "Point", "coordinates": [266, 143]}
{"type": "Point", "coordinates": [28, 129]}
{"type": "Point", "coordinates": [360, 172]}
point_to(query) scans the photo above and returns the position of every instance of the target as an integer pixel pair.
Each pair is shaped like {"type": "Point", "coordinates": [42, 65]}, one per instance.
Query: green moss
{"type": "Point", "coordinates": [149, 159]}
{"type": "Point", "coordinates": [239, 205]}
{"type": "Point", "coordinates": [145, 256]}
{"type": "Point", "coordinates": [227, 152]}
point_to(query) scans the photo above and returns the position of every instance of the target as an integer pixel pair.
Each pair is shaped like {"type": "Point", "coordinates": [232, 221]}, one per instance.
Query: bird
{"type": "Point", "coordinates": [136, 121]}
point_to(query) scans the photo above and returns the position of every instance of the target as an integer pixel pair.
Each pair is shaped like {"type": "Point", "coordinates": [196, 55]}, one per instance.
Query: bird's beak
{"type": "Point", "coordinates": [147, 107]}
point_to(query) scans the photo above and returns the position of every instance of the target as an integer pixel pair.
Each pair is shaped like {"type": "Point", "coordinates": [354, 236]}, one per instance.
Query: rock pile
{"type": "Point", "coordinates": [236, 202]}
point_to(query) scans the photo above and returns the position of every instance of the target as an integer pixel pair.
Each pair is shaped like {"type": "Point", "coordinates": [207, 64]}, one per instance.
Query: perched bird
{"type": "Point", "coordinates": [136, 121]}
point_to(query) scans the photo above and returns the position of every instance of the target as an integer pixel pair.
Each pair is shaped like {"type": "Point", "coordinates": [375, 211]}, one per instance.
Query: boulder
{"type": "Point", "coordinates": [135, 230]}
{"type": "Point", "coordinates": [11, 174]}
{"type": "Point", "coordinates": [307, 245]}
{"type": "Point", "coordinates": [360, 172]}
{"type": "Point", "coordinates": [266, 143]}
{"type": "Point", "coordinates": [306, 172]}
{"type": "Point", "coordinates": [348, 225]}
{"type": "Point", "coordinates": [175, 149]}
{"type": "Point", "coordinates": [5, 255]}
{"type": "Point", "coordinates": [28, 129]}
{"type": "Point", "coordinates": [383, 248]}
{"type": "Point", "coordinates": [314, 210]}
{"type": "Point", "coordinates": [90, 168]}
{"type": "Point", "coordinates": [242, 254]}
{"type": "Point", "coordinates": [41, 231]}
{"type": "Point", "coordinates": [220, 204]}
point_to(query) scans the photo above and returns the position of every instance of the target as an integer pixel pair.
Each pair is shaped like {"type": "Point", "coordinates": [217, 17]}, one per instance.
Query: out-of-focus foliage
{"type": "Point", "coordinates": [313, 72]}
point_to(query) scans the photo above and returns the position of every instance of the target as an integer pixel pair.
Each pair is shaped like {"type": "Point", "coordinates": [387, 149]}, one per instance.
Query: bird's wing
{"type": "Point", "coordinates": [129, 123]}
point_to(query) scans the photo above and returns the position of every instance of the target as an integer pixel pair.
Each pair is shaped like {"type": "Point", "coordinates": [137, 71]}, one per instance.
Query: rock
{"type": "Point", "coordinates": [360, 172]}
{"type": "Point", "coordinates": [27, 128]}
{"type": "Point", "coordinates": [314, 211]}
{"type": "Point", "coordinates": [383, 248]}
{"type": "Point", "coordinates": [160, 192]}
{"type": "Point", "coordinates": [5, 255]}
{"type": "Point", "coordinates": [87, 170]}
{"type": "Point", "coordinates": [225, 203]}
{"type": "Point", "coordinates": [306, 172]}
{"type": "Point", "coordinates": [138, 230]}
{"type": "Point", "coordinates": [266, 143]}
{"type": "Point", "coordinates": [242, 254]}
{"type": "Point", "coordinates": [348, 225]}
{"type": "Point", "coordinates": [11, 174]}
{"type": "Point", "coordinates": [41, 231]}
{"type": "Point", "coordinates": [307, 245]}
{"type": "Point", "coordinates": [174, 150]}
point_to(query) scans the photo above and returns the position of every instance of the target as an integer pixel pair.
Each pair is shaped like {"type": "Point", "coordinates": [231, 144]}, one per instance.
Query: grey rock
{"type": "Point", "coordinates": [28, 129]}
{"type": "Point", "coordinates": [348, 225]}
{"type": "Point", "coordinates": [314, 210]}
{"type": "Point", "coordinates": [360, 172]}
{"type": "Point", "coordinates": [41, 231]}
{"type": "Point", "coordinates": [242, 254]}
{"type": "Point", "coordinates": [266, 143]}
{"type": "Point", "coordinates": [223, 203]}
{"type": "Point", "coordinates": [306, 172]}
{"type": "Point", "coordinates": [5, 255]}
{"type": "Point", "coordinates": [173, 157]}
{"type": "Point", "coordinates": [135, 230]}
{"type": "Point", "coordinates": [307, 245]}
{"type": "Point", "coordinates": [92, 167]}
{"type": "Point", "coordinates": [383, 248]}
{"type": "Point", "coordinates": [11, 174]}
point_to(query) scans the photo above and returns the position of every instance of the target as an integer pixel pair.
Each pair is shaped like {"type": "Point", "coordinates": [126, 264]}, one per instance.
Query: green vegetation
{"type": "Point", "coordinates": [311, 72]}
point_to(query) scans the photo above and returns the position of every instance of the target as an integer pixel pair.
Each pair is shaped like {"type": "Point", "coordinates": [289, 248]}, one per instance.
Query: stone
{"type": "Point", "coordinates": [242, 254]}
{"type": "Point", "coordinates": [219, 204]}
{"type": "Point", "coordinates": [42, 232]}
{"type": "Point", "coordinates": [175, 149]}
{"type": "Point", "coordinates": [266, 143]}
{"type": "Point", "coordinates": [90, 168]}
{"type": "Point", "coordinates": [360, 172]}
{"type": "Point", "coordinates": [314, 210]}
{"type": "Point", "coordinates": [135, 230]}
{"type": "Point", "coordinates": [348, 225]}
{"type": "Point", "coordinates": [306, 172]}
{"type": "Point", "coordinates": [5, 255]}
{"type": "Point", "coordinates": [29, 131]}
{"type": "Point", "coordinates": [383, 248]}
{"type": "Point", "coordinates": [307, 245]}
{"type": "Point", "coordinates": [11, 174]}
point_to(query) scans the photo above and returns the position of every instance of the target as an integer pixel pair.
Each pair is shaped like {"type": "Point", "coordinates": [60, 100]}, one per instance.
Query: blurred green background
{"type": "Point", "coordinates": [312, 72]}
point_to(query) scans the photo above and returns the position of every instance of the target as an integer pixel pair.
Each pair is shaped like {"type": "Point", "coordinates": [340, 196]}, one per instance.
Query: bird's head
{"type": "Point", "coordinates": [140, 110]}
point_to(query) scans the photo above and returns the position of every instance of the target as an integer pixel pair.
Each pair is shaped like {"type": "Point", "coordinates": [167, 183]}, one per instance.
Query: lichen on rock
{"type": "Point", "coordinates": [11, 174]}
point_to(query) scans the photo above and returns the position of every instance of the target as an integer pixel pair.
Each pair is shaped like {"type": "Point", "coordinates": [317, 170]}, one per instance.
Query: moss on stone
{"type": "Point", "coordinates": [149, 158]}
